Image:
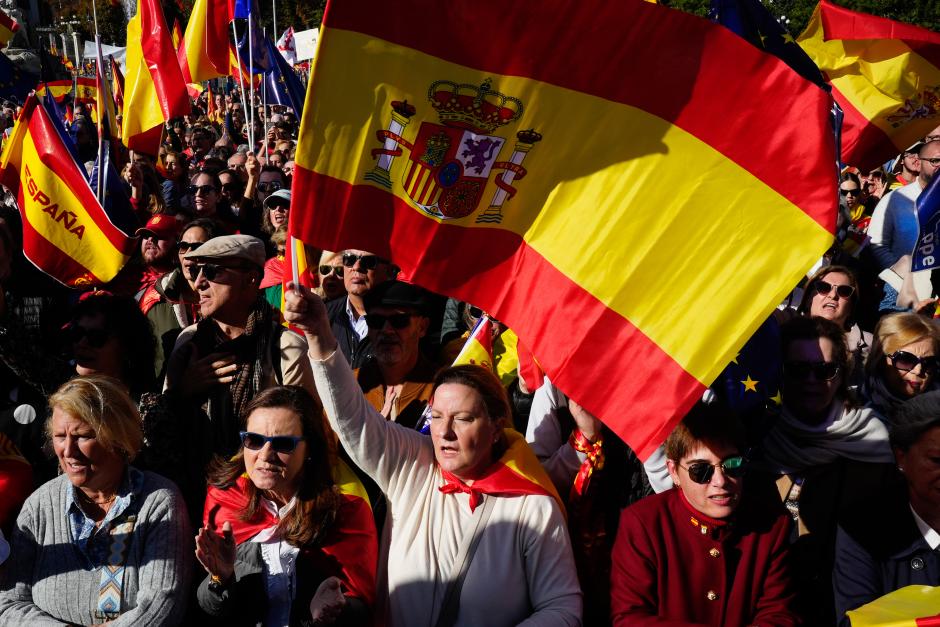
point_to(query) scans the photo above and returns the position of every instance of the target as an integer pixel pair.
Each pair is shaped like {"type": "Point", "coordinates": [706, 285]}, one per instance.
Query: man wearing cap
{"type": "Point", "coordinates": [907, 168]}
{"type": "Point", "coordinates": [362, 271]}
{"type": "Point", "coordinates": [157, 242]}
{"type": "Point", "coordinates": [397, 379]}
{"type": "Point", "coordinates": [893, 231]}
{"type": "Point", "coordinates": [238, 349]}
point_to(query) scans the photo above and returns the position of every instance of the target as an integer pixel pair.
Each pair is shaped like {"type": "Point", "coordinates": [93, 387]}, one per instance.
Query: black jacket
{"type": "Point", "coordinates": [356, 351]}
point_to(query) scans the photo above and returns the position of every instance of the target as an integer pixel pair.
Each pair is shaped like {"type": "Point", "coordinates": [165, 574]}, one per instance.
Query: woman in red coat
{"type": "Point", "coordinates": [705, 552]}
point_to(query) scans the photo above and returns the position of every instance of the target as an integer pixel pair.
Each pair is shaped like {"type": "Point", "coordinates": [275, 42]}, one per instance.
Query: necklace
{"type": "Point", "coordinates": [88, 499]}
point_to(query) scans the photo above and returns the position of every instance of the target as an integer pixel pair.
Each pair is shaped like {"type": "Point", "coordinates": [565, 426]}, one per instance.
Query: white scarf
{"type": "Point", "coordinates": [854, 433]}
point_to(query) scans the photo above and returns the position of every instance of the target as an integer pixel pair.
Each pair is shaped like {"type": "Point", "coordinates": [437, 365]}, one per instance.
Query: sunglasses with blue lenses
{"type": "Point", "coordinates": [279, 443]}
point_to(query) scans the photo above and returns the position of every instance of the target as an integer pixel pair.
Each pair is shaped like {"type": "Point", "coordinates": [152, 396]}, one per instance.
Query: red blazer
{"type": "Point", "coordinates": [673, 566]}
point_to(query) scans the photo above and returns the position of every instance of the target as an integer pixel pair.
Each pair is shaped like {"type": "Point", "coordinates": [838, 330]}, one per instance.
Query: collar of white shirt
{"type": "Point", "coordinates": [931, 537]}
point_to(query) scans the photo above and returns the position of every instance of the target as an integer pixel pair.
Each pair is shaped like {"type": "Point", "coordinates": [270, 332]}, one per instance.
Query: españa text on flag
{"type": "Point", "coordinates": [66, 233]}
{"type": "Point", "coordinates": [884, 74]}
{"type": "Point", "coordinates": [590, 173]}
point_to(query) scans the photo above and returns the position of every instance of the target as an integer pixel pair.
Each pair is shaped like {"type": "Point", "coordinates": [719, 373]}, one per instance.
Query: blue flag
{"type": "Point", "coordinates": [926, 254]}
{"type": "Point", "coordinates": [284, 88]}
{"type": "Point", "coordinates": [250, 46]}
{"type": "Point", "coordinates": [752, 380]}
{"type": "Point", "coordinates": [115, 201]}
{"type": "Point", "coordinates": [750, 20]}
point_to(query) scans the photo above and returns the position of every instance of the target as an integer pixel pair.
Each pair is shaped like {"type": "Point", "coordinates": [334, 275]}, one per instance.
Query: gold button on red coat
{"type": "Point", "coordinates": [714, 552]}
{"type": "Point", "coordinates": [711, 595]}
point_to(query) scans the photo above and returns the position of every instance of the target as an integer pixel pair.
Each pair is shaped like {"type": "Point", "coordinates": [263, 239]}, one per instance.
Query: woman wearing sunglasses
{"type": "Point", "coordinates": [286, 539]}
{"type": "Point", "coordinates": [832, 293]}
{"type": "Point", "coordinates": [824, 452]}
{"type": "Point", "coordinates": [331, 274]}
{"type": "Point", "coordinates": [709, 551]}
{"type": "Point", "coordinates": [903, 361]}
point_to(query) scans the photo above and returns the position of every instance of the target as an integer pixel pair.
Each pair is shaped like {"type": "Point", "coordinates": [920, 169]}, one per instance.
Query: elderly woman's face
{"type": "Point", "coordinates": [276, 472]}
{"type": "Point", "coordinates": [827, 303]}
{"type": "Point", "coordinates": [87, 463]}
{"type": "Point", "coordinates": [713, 463]}
{"type": "Point", "coordinates": [461, 431]}
{"type": "Point", "coordinates": [907, 371]}
{"type": "Point", "coordinates": [921, 467]}
{"type": "Point", "coordinates": [811, 378]}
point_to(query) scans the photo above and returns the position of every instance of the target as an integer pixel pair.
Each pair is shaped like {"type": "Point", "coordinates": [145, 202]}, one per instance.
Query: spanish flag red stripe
{"type": "Point", "coordinates": [688, 84]}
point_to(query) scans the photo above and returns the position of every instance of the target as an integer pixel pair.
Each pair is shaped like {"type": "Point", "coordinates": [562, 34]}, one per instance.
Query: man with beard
{"type": "Point", "coordinates": [157, 248]}
{"type": "Point", "coordinates": [362, 272]}
{"type": "Point", "coordinates": [397, 379]}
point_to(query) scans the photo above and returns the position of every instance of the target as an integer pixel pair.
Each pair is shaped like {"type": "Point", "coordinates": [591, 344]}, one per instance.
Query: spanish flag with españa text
{"type": "Point", "coordinates": [66, 232]}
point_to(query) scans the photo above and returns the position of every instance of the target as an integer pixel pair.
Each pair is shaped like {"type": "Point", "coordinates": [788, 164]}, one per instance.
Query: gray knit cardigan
{"type": "Point", "coordinates": [48, 581]}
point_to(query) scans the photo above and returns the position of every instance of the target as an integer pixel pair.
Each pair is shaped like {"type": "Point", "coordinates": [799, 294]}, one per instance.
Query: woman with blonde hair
{"type": "Point", "coordinates": [903, 361]}
{"type": "Point", "coordinates": [103, 541]}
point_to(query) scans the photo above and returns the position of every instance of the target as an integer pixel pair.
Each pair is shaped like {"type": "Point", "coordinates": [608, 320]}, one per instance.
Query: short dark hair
{"type": "Point", "coordinates": [816, 328]}
{"type": "Point", "coordinates": [913, 418]}
{"type": "Point", "coordinates": [705, 422]}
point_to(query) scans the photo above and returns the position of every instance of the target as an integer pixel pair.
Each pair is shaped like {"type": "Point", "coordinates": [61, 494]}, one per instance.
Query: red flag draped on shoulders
{"type": "Point", "coordinates": [630, 188]}
{"type": "Point", "coordinates": [349, 550]}
{"type": "Point", "coordinates": [66, 232]}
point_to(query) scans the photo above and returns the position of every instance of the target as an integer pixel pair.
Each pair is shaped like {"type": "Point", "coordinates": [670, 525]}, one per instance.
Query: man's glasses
{"type": "Point", "coordinates": [271, 186]}
{"type": "Point", "coordinates": [96, 338]}
{"type": "Point", "coordinates": [184, 246]}
{"type": "Point", "coordinates": [234, 188]}
{"type": "Point", "coordinates": [325, 271]}
{"type": "Point", "coordinates": [825, 289]}
{"type": "Point", "coordinates": [905, 362]}
{"type": "Point", "coordinates": [803, 370]}
{"type": "Point", "coordinates": [934, 161]}
{"type": "Point", "coordinates": [931, 138]}
{"type": "Point", "coordinates": [850, 192]}
{"type": "Point", "coordinates": [397, 320]}
{"type": "Point", "coordinates": [200, 189]}
{"type": "Point", "coordinates": [702, 472]}
{"type": "Point", "coordinates": [279, 443]}
{"type": "Point", "coordinates": [210, 270]}
{"type": "Point", "coordinates": [366, 262]}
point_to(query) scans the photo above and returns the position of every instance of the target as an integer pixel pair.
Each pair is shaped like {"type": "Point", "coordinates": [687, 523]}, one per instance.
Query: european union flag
{"type": "Point", "coordinates": [750, 20]}
{"type": "Point", "coordinates": [752, 379]}
{"type": "Point", "coordinates": [284, 88]}
{"type": "Point", "coordinates": [115, 201]}
{"type": "Point", "coordinates": [250, 38]}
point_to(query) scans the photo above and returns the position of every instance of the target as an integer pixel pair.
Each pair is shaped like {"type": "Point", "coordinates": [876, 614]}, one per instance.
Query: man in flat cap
{"type": "Point", "coordinates": [238, 349]}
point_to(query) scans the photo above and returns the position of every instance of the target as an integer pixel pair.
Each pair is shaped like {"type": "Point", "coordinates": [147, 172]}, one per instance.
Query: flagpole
{"type": "Point", "coordinates": [274, 17]}
{"type": "Point", "coordinates": [241, 80]}
{"type": "Point", "coordinates": [251, 85]}
{"type": "Point", "coordinates": [102, 166]}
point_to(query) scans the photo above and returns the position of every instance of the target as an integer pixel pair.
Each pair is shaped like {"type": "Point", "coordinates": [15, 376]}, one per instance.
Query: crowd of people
{"type": "Point", "coordinates": [195, 444]}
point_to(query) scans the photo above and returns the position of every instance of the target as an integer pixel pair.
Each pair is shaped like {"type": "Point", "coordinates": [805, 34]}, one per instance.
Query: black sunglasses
{"type": "Point", "coordinates": [702, 472]}
{"type": "Point", "coordinates": [824, 288]}
{"type": "Point", "coordinates": [397, 320]}
{"type": "Point", "coordinates": [184, 246]}
{"type": "Point", "coordinates": [232, 187]}
{"type": "Point", "coordinates": [95, 338]}
{"type": "Point", "coordinates": [802, 370]}
{"type": "Point", "coordinates": [197, 189]}
{"type": "Point", "coordinates": [905, 362]}
{"type": "Point", "coordinates": [272, 186]}
{"type": "Point", "coordinates": [366, 262]}
{"type": "Point", "coordinates": [853, 192]}
{"type": "Point", "coordinates": [326, 271]}
{"type": "Point", "coordinates": [211, 270]}
{"type": "Point", "coordinates": [280, 443]}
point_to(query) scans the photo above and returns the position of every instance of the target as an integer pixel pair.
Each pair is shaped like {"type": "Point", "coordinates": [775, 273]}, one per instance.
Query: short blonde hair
{"type": "Point", "coordinates": [105, 405]}
{"type": "Point", "coordinates": [895, 331]}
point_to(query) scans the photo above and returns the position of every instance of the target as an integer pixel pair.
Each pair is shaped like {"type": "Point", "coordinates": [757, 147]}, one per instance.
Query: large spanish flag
{"type": "Point", "coordinates": [154, 88]}
{"type": "Point", "coordinates": [66, 233]}
{"type": "Point", "coordinates": [884, 74]}
{"type": "Point", "coordinates": [203, 52]}
{"type": "Point", "coordinates": [630, 188]}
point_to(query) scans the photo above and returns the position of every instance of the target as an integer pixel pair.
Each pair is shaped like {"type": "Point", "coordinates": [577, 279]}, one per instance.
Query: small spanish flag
{"type": "Point", "coordinates": [910, 606]}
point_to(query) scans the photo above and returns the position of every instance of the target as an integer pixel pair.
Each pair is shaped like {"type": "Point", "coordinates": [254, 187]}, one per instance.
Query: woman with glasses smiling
{"type": "Point", "coordinates": [709, 551]}
{"type": "Point", "coordinates": [287, 538]}
{"type": "Point", "coordinates": [823, 451]}
{"type": "Point", "coordinates": [903, 361]}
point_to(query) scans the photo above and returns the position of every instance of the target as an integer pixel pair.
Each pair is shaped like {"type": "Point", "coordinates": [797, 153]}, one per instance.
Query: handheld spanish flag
{"type": "Point", "coordinates": [154, 89]}
{"type": "Point", "coordinates": [571, 177]}
{"type": "Point", "coordinates": [884, 74]}
{"type": "Point", "coordinates": [8, 27]}
{"type": "Point", "coordinates": [66, 233]}
{"type": "Point", "coordinates": [910, 606]}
